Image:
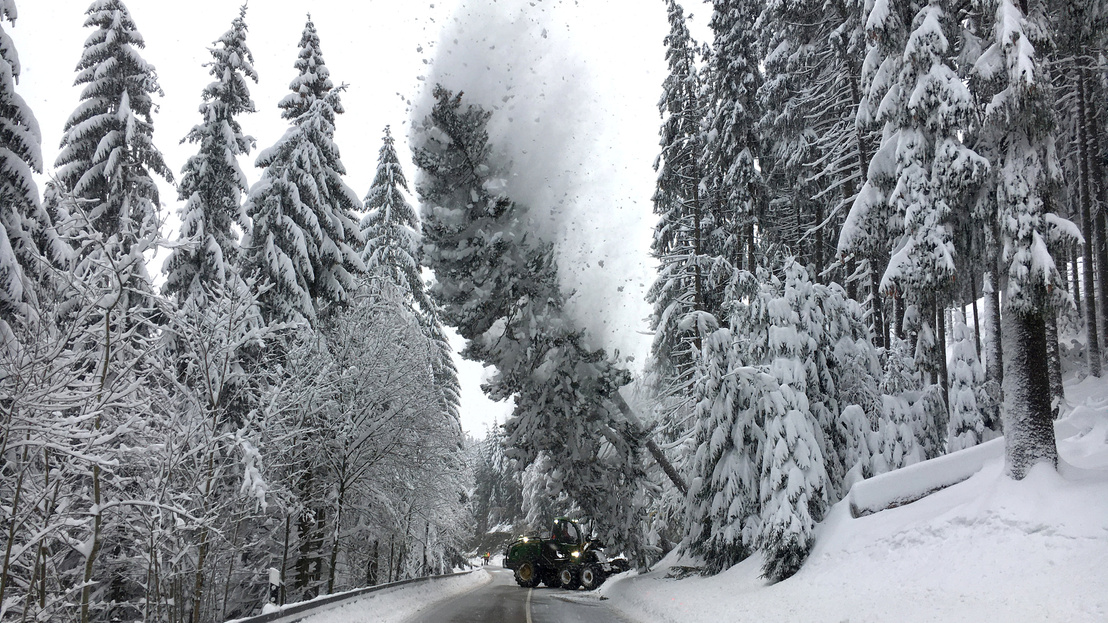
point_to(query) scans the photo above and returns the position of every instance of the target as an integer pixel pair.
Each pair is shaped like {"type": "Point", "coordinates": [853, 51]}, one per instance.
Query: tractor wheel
{"type": "Point", "coordinates": [526, 576]}
{"type": "Point", "coordinates": [591, 577]}
{"type": "Point", "coordinates": [569, 578]}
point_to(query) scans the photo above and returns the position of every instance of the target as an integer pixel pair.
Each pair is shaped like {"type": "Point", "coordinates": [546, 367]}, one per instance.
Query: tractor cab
{"type": "Point", "coordinates": [567, 531]}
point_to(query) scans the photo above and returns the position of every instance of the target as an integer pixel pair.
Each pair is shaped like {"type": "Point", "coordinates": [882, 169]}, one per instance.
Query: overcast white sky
{"type": "Point", "coordinates": [575, 85]}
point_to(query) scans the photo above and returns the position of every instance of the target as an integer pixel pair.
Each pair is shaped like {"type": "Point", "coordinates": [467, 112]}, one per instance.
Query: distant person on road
{"type": "Point", "coordinates": [486, 558]}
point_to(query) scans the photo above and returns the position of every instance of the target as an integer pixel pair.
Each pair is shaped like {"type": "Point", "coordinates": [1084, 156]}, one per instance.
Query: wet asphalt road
{"type": "Point", "coordinates": [502, 601]}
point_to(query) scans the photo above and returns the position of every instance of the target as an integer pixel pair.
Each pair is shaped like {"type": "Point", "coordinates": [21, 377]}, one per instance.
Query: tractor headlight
{"type": "Point", "coordinates": [576, 554]}
{"type": "Point", "coordinates": [524, 539]}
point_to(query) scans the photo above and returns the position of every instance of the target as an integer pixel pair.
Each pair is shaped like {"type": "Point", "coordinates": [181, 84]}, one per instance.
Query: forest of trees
{"type": "Point", "coordinates": [868, 251]}
{"type": "Point", "coordinates": [286, 399]}
{"type": "Point", "coordinates": [881, 233]}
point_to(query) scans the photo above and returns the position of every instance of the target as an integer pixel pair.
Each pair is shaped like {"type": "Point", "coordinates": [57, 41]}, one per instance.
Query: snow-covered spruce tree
{"type": "Point", "coordinates": [794, 483]}
{"type": "Point", "coordinates": [872, 221]}
{"type": "Point", "coordinates": [722, 521]}
{"type": "Point", "coordinates": [108, 155]}
{"type": "Point", "coordinates": [689, 268]}
{"type": "Point", "coordinates": [936, 174]}
{"type": "Point", "coordinates": [967, 394]}
{"type": "Point", "coordinates": [499, 286]}
{"type": "Point", "coordinates": [392, 251]}
{"type": "Point", "coordinates": [680, 243]}
{"type": "Point", "coordinates": [813, 156]}
{"type": "Point", "coordinates": [211, 181]}
{"type": "Point", "coordinates": [304, 239]}
{"type": "Point", "coordinates": [735, 190]}
{"type": "Point", "coordinates": [25, 228]}
{"type": "Point", "coordinates": [1019, 128]}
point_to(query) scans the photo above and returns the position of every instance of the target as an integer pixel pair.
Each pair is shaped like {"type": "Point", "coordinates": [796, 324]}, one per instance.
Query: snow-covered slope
{"type": "Point", "coordinates": [987, 548]}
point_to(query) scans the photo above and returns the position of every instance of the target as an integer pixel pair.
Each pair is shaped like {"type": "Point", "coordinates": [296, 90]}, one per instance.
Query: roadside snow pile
{"type": "Point", "coordinates": [398, 604]}
{"type": "Point", "coordinates": [986, 548]}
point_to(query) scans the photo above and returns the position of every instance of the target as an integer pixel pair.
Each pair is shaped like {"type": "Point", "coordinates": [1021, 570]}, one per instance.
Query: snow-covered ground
{"type": "Point", "coordinates": [987, 548]}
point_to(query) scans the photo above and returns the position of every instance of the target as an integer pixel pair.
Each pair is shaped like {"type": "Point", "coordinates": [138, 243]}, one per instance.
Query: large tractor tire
{"type": "Point", "coordinates": [591, 577]}
{"type": "Point", "coordinates": [570, 578]}
{"type": "Point", "coordinates": [527, 576]}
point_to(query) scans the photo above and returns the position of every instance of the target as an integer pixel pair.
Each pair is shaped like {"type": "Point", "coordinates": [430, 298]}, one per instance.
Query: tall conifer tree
{"type": "Point", "coordinates": [392, 251]}
{"type": "Point", "coordinates": [304, 239]}
{"type": "Point", "coordinates": [25, 231]}
{"type": "Point", "coordinates": [212, 182]}
{"type": "Point", "coordinates": [1019, 135]}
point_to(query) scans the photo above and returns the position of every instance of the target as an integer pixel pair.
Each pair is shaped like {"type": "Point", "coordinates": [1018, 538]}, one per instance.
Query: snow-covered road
{"type": "Point", "coordinates": [502, 601]}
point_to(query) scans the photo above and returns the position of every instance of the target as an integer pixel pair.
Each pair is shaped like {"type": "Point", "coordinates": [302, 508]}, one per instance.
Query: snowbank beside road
{"type": "Point", "coordinates": [987, 548]}
{"type": "Point", "coordinates": [392, 605]}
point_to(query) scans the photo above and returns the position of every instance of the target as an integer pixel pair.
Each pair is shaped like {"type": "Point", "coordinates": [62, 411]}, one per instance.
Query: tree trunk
{"type": "Point", "coordinates": [976, 318]}
{"type": "Point", "coordinates": [392, 551]}
{"type": "Point", "coordinates": [1097, 181]}
{"type": "Point", "coordinates": [880, 328]}
{"type": "Point", "coordinates": [1054, 362]}
{"type": "Point", "coordinates": [374, 564]}
{"type": "Point", "coordinates": [1028, 425]}
{"type": "Point", "coordinates": [1084, 184]}
{"type": "Point", "coordinates": [941, 314]}
{"type": "Point", "coordinates": [994, 354]}
{"type": "Point", "coordinates": [1075, 279]}
{"type": "Point", "coordinates": [651, 447]}
{"type": "Point", "coordinates": [335, 533]}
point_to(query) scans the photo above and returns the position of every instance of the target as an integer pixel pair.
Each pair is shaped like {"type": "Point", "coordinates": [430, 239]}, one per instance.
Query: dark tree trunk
{"type": "Point", "coordinates": [940, 352]}
{"type": "Point", "coordinates": [1054, 363]}
{"type": "Point", "coordinates": [374, 564]}
{"type": "Point", "coordinates": [994, 354]}
{"type": "Point", "coordinates": [880, 329]}
{"type": "Point", "coordinates": [1097, 181]}
{"type": "Point", "coordinates": [1075, 279]}
{"type": "Point", "coordinates": [1085, 191]}
{"type": "Point", "coordinates": [976, 318]}
{"type": "Point", "coordinates": [1028, 425]}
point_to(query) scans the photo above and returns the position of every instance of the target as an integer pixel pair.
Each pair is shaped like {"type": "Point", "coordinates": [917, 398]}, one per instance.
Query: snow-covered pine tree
{"type": "Point", "coordinates": [968, 399]}
{"type": "Point", "coordinates": [936, 174]}
{"type": "Point", "coordinates": [735, 189]}
{"type": "Point", "coordinates": [107, 152]}
{"type": "Point", "coordinates": [499, 286]}
{"type": "Point", "coordinates": [680, 242]}
{"type": "Point", "coordinates": [25, 228]}
{"type": "Point", "coordinates": [211, 181]}
{"type": "Point", "coordinates": [392, 251]}
{"type": "Point", "coordinates": [794, 481]}
{"type": "Point", "coordinates": [813, 156]}
{"type": "Point", "coordinates": [304, 239]}
{"type": "Point", "coordinates": [1019, 129]}
{"type": "Point", "coordinates": [872, 221]}
{"type": "Point", "coordinates": [722, 520]}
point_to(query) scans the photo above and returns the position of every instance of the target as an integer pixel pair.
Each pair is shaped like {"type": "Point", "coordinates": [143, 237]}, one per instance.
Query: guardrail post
{"type": "Point", "coordinates": [274, 586]}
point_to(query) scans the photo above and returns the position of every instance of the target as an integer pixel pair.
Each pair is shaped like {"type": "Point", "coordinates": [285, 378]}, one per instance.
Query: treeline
{"type": "Point", "coordinates": [867, 249]}
{"type": "Point", "coordinates": [286, 400]}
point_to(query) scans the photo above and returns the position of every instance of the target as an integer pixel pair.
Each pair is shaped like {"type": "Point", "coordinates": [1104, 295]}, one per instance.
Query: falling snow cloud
{"type": "Point", "coordinates": [572, 93]}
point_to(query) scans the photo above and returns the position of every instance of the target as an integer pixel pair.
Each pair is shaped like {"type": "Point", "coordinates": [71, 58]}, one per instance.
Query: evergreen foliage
{"type": "Point", "coordinates": [107, 156]}
{"type": "Point", "coordinates": [304, 240]}
{"type": "Point", "coordinates": [392, 251]}
{"type": "Point", "coordinates": [211, 181]}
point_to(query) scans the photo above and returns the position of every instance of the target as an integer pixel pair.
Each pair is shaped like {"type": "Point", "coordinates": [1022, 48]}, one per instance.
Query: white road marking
{"type": "Point", "coordinates": [527, 608]}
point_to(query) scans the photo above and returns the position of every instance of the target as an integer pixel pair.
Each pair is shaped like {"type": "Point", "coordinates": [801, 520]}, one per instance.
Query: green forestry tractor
{"type": "Point", "coordinates": [567, 559]}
